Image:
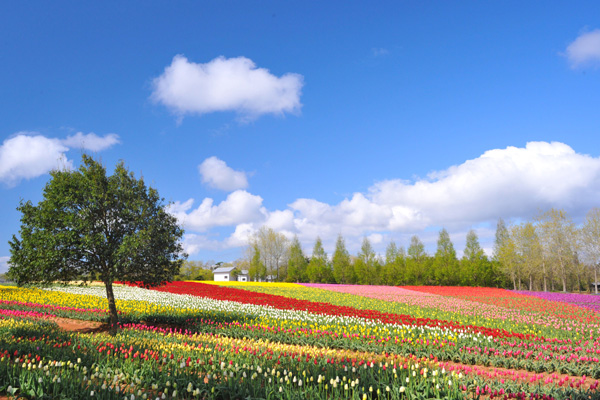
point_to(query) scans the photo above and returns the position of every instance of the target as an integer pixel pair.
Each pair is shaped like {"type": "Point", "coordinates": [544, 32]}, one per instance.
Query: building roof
{"type": "Point", "coordinates": [223, 270]}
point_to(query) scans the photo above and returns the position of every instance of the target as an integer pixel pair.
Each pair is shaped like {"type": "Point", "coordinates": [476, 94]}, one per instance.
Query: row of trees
{"type": "Point", "coordinates": [547, 253]}
{"type": "Point", "coordinates": [272, 256]}
{"type": "Point", "coordinates": [550, 252]}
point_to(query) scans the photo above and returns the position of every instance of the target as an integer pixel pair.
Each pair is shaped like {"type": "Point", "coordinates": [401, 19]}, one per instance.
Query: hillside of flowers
{"type": "Point", "coordinates": [195, 340]}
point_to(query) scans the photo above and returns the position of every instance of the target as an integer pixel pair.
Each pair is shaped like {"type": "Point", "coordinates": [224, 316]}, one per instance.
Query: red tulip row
{"type": "Point", "coordinates": [286, 303]}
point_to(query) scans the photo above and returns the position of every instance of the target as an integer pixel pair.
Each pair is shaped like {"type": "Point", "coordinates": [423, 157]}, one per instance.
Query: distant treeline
{"type": "Point", "coordinates": [399, 266]}
{"type": "Point", "coordinates": [547, 253]}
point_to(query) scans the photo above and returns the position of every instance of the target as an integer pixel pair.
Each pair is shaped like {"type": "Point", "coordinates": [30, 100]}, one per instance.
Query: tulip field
{"type": "Point", "coordinates": [209, 340]}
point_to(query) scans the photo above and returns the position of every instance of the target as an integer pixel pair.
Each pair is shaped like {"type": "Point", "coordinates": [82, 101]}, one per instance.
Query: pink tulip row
{"type": "Point", "coordinates": [26, 314]}
{"type": "Point", "coordinates": [464, 307]}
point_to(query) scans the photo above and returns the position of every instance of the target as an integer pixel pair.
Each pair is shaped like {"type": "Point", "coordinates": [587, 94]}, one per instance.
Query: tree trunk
{"type": "Point", "coordinates": [530, 282]}
{"type": "Point", "coordinates": [112, 307]}
{"type": "Point", "coordinates": [596, 279]}
{"type": "Point", "coordinates": [545, 278]}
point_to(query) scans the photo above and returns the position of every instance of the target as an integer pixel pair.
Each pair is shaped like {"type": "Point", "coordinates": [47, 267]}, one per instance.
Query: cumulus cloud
{"type": "Point", "coordinates": [585, 50]}
{"type": "Point", "coordinates": [27, 156]}
{"type": "Point", "coordinates": [515, 182]}
{"type": "Point", "coordinates": [239, 207]}
{"type": "Point", "coordinates": [91, 141]}
{"type": "Point", "coordinates": [226, 84]}
{"type": "Point", "coordinates": [502, 182]}
{"type": "Point", "coordinates": [217, 174]}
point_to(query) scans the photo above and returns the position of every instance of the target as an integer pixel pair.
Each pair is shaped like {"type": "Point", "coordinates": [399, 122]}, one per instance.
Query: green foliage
{"type": "Point", "coordinates": [445, 262]}
{"type": "Point", "coordinates": [319, 270]}
{"type": "Point", "coordinates": [297, 264]}
{"type": "Point", "coordinates": [342, 267]}
{"type": "Point", "coordinates": [257, 270]}
{"type": "Point", "coordinates": [90, 224]}
{"type": "Point", "coordinates": [474, 265]}
{"type": "Point", "coordinates": [367, 266]}
{"type": "Point", "coordinates": [195, 270]}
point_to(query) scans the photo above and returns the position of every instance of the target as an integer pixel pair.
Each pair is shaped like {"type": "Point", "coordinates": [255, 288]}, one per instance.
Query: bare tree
{"type": "Point", "coordinates": [560, 234]}
{"type": "Point", "coordinates": [273, 247]}
{"type": "Point", "coordinates": [528, 249]}
{"type": "Point", "coordinates": [590, 241]}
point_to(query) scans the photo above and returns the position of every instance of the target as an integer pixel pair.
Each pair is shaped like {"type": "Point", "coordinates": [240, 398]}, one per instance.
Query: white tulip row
{"type": "Point", "coordinates": [308, 320]}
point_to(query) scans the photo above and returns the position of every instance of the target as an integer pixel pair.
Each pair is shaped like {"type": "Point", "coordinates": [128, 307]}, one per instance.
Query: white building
{"type": "Point", "coordinates": [243, 276]}
{"type": "Point", "coordinates": [224, 274]}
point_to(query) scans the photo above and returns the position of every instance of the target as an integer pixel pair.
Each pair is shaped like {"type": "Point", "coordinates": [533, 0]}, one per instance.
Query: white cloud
{"type": "Point", "coordinates": [4, 264]}
{"type": "Point", "coordinates": [585, 50]}
{"type": "Point", "coordinates": [217, 174]}
{"type": "Point", "coordinates": [509, 183]}
{"type": "Point", "coordinates": [502, 182]}
{"type": "Point", "coordinates": [226, 84]}
{"type": "Point", "coordinates": [239, 207]}
{"type": "Point", "coordinates": [28, 155]}
{"type": "Point", "coordinates": [91, 141]}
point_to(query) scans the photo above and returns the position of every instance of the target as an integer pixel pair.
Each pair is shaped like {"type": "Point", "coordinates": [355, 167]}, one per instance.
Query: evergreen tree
{"type": "Point", "coordinates": [416, 250]}
{"type": "Point", "coordinates": [474, 264]}
{"type": "Point", "coordinates": [341, 262]}
{"type": "Point", "coordinates": [296, 271]}
{"type": "Point", "coordinates": [501, 236]}
{"type": "Point", "coordinates": [416, 271]}
{"type": "Point", "coordinates": [445, 262]}
{"type": "Point", "coordinates": [257, 270]}
{"type": "Point", "coordinates": [394, 262]}
{"type": "Point", "coordinates": [366, 263]}
{"type": "Point", "coordinates": [318, 269]}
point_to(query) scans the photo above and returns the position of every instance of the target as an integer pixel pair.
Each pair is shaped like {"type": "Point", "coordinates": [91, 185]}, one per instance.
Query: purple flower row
{"type": "Point", "coordinates": [583, 300]}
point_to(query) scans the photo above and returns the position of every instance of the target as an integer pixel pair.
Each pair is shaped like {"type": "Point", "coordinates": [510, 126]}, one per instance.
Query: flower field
{"type": "Point", "coordinates": [193, 340]}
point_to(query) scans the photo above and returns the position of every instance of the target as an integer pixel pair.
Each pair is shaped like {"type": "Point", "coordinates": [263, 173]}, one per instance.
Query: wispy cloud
{"type": "Point", "coordinates": [91, 141]}
{"type": "Point", "coordinates": [585, 50]}
{"type": "Point", "coordinates": [379, 51]}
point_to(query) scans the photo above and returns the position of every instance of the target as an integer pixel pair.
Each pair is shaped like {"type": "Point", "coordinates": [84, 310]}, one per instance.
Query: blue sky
{"type": "Point", "coordinates": [377, 120]}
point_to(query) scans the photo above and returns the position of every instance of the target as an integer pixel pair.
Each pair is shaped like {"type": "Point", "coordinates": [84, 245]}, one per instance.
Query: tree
{"type": "Point", "coordinates": [445, 262]}
{"type": "Point", "coordinates": [417, 258]}
{"type": "Point", "coordinates": [394, 269]}
{"type": "Point", "coordinates": [528, 249]}
{"type": "Point", "coordinates": [196, 270]}
{"type": "Point", "coordinates": [92, 225]}
{"type": "Point", "coordinates": [342, 267]}
{"type": "Point", "coordinates": [318, 269]}
{"type": "Point", "coordinates": [296, 270]}
{"type": "Point", "coordinates": [502, 235]}
{"type": "Point", "coordinates": [561, 235]}
{"type": "Point", "coordinates": [590, 240]}
{"type": "Point", "coordinates": [257, 270]}
{"type": "Point", "coordinates": [416, 250]}
{"type": "Point", "coordinates": [474, 264]}
{"type": "Point", "coordinates": [366, 264]}
{"type": "Point", "coordinates": [273, 248]}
